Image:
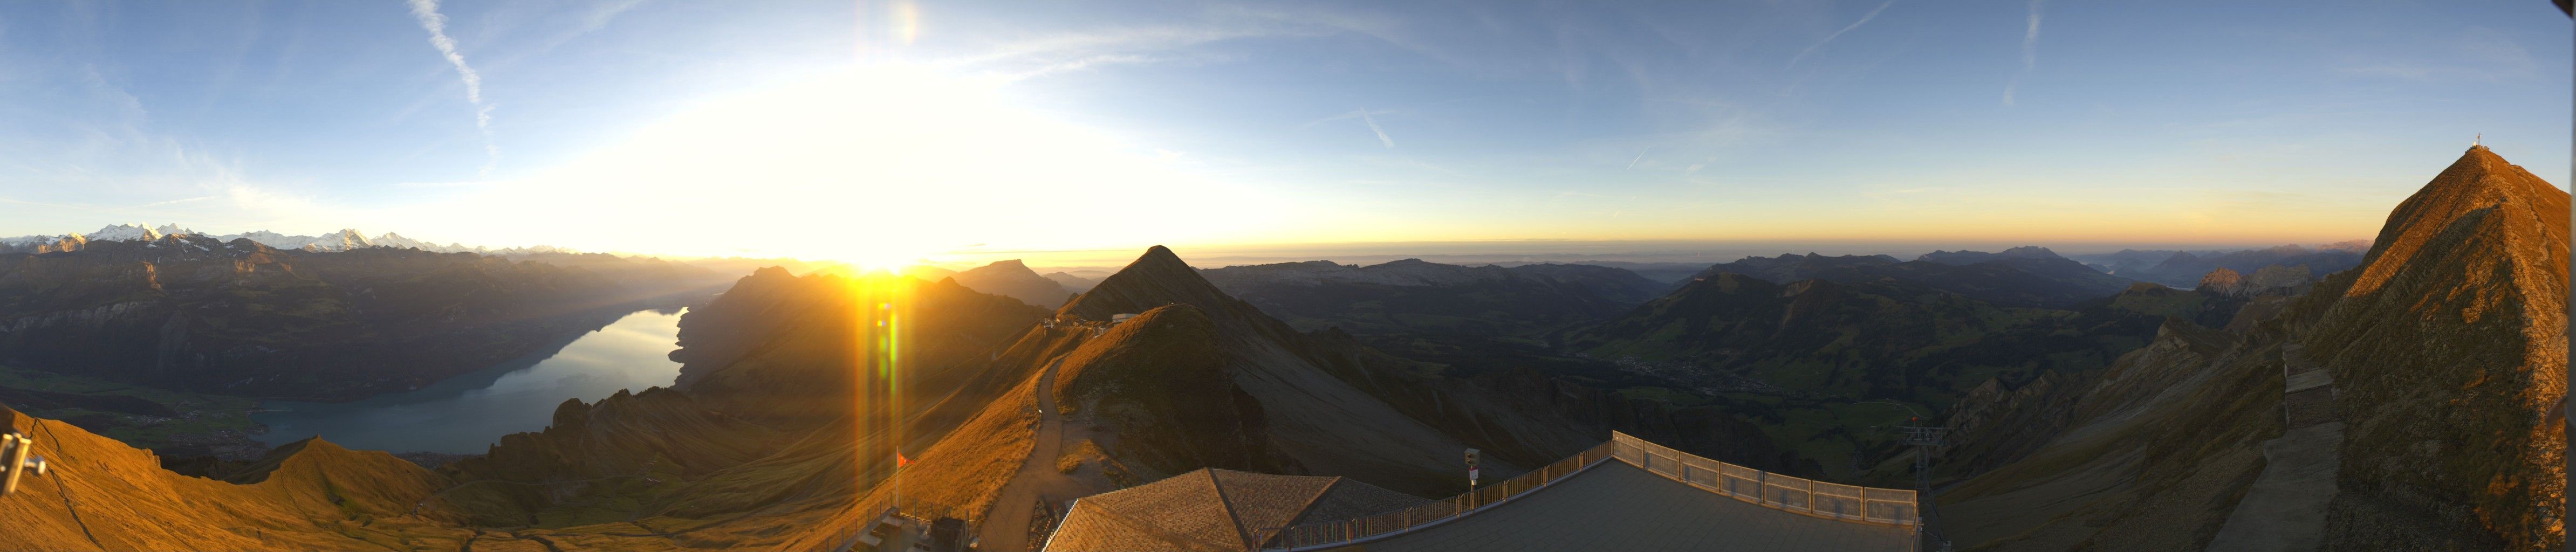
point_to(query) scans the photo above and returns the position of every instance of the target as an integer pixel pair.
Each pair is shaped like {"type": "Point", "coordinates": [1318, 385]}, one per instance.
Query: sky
{"type": "Point", "coordinates": [879, 132]}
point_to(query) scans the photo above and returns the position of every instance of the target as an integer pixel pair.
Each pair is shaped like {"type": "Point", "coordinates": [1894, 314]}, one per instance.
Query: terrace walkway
{"type": "Point", "coordinates": [1616, 506]}
{"type": "Point", "coordinates": [1630, 494]}
{"type": "Point", "coordinates": [2286, 508]}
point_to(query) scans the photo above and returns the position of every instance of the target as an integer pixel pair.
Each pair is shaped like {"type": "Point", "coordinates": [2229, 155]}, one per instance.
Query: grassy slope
{"type": "Point", "coordinates": [104, 494]}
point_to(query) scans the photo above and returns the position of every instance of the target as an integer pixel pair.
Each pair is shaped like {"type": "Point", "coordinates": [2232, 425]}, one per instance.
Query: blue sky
{"type": "Point", "coordinates": [968, 129]}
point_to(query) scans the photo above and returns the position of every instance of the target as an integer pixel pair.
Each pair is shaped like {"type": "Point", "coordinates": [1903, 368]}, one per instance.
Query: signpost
{"type": "Point", "coordinates": [1471, 473]}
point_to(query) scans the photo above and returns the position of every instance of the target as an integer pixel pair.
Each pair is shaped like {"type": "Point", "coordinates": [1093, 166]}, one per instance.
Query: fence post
{"type": "Point", "coordinates": [1761, 487]}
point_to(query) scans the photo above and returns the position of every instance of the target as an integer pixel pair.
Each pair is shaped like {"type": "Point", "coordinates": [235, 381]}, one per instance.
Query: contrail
{"type": "Point", "coordinates": [2029, 53]}
{"type": "Point", "coordinates": [1802, 54]}
{"type": "Point", "coordinates": [1641, 154]}
{"type": "Point", "coordinates": [2030, 39]}
{"type": "Point", "coordinates": [1381, 133]}
{"type": "Point", "coordinates": [430, 20]}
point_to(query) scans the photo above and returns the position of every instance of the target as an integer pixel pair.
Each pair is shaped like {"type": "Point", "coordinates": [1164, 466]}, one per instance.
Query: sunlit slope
{"type": "Point", "coordinates": [104, 495]}
{"type": "Point", "coordinates": [2445, 348]}
{"type": "Point", "coordinates": [2453, 334]}
{"type": "Point", "coordinates": [782, 418]}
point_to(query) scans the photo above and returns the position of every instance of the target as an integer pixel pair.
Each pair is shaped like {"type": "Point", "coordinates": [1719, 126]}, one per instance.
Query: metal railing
{"type": "Point", "coordinates": [1870, 505]}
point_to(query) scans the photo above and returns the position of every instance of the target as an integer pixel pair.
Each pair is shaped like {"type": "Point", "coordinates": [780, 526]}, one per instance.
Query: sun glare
{"type": "Point", "coordinates": [876, 165]}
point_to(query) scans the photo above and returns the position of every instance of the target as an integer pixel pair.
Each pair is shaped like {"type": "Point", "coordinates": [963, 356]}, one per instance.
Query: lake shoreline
{"type": "Point", "coordinates": [464, 414]}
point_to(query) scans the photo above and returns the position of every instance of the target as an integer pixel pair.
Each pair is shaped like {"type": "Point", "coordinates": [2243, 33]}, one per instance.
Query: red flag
{"type": "Point", "coordinates": [899, 460]}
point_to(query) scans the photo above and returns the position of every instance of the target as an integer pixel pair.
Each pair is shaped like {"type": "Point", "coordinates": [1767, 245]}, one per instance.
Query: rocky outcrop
{"type": "Point", "coordinates": [2223, 280]}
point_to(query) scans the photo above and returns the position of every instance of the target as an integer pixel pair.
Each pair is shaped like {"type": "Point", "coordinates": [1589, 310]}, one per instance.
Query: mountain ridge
{"type": "Point", "coordinates": [342, 240]}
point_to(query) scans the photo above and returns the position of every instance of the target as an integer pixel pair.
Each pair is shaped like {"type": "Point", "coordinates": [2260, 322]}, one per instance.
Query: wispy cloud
{"type": "Point", "coordinates": [2481, 54]}
{"type": "Point", "coordinates": [430, 20]}
{"type": "Point", "coordinates": [1078, 65]}
{"type": "Point", "coordinates": [1829, 39]}
{"type": "Point", "coordinates": [1372, 124]}
{"type": "Point", "coordinates": [176, 201]}
{"type": "Point", "coordinates": [2029, 53]}
{"type": "Point", "coordinates": [1069, 52]}
{"type": "Point", "coordinates": [1641, 156]}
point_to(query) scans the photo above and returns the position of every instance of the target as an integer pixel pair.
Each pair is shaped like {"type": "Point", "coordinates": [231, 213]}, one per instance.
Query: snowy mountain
{"type": "Point", "coordinates": [343, 240]}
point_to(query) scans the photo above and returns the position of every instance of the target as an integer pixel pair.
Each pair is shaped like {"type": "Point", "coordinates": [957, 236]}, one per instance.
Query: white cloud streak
{"type": "Point", "coordinates": [1829, 39]}
{"type": "Point", "coordinates": [2030, 39]}
{"type": "Point", "coordinates": [1372, 124]}
{"type": "Point", "coordinates": [430, 20]}
{"type": "Point", "coordinates": [2029, 53]}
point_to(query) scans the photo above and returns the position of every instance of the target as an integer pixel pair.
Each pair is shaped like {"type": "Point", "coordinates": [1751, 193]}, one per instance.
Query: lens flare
{"type": "Point", "coordinates": [880, 305]}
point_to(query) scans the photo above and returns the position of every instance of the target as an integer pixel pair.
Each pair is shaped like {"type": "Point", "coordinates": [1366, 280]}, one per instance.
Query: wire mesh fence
{"type": "Point", "coordinates": [1346, 530]}
{"type": "Point", "coordinates": [1794, 494]}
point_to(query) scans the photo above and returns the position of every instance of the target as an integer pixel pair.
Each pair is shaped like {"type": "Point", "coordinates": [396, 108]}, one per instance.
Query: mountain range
{"type": "Point", "coordinates": [343, 240]}
{"type": "Point", "coordinates": [185, 311]}
{"type": "Point", "coordinates": [1413, 296]}
{"type": "Point", "coordinates": [2017, 277]}
{"type": "Point", "coordinates": [2184, 268]}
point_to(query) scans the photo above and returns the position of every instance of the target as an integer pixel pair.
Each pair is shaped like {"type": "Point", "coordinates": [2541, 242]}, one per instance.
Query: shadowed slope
{"type": "Point", "coordinates": [1332, 405]}
{"type": "Point", "coordinates": [1159, 382]}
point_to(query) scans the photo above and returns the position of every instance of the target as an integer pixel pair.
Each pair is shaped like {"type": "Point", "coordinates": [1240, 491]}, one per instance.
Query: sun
{"type": "Point", "coordinates": [875, 255]}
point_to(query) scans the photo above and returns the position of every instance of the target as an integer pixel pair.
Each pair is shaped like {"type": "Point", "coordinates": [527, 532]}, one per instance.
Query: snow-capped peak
{"type": "Point", "coordinates": [122, 232]}
{"type": "Point", "coordinates": [343, 240]}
